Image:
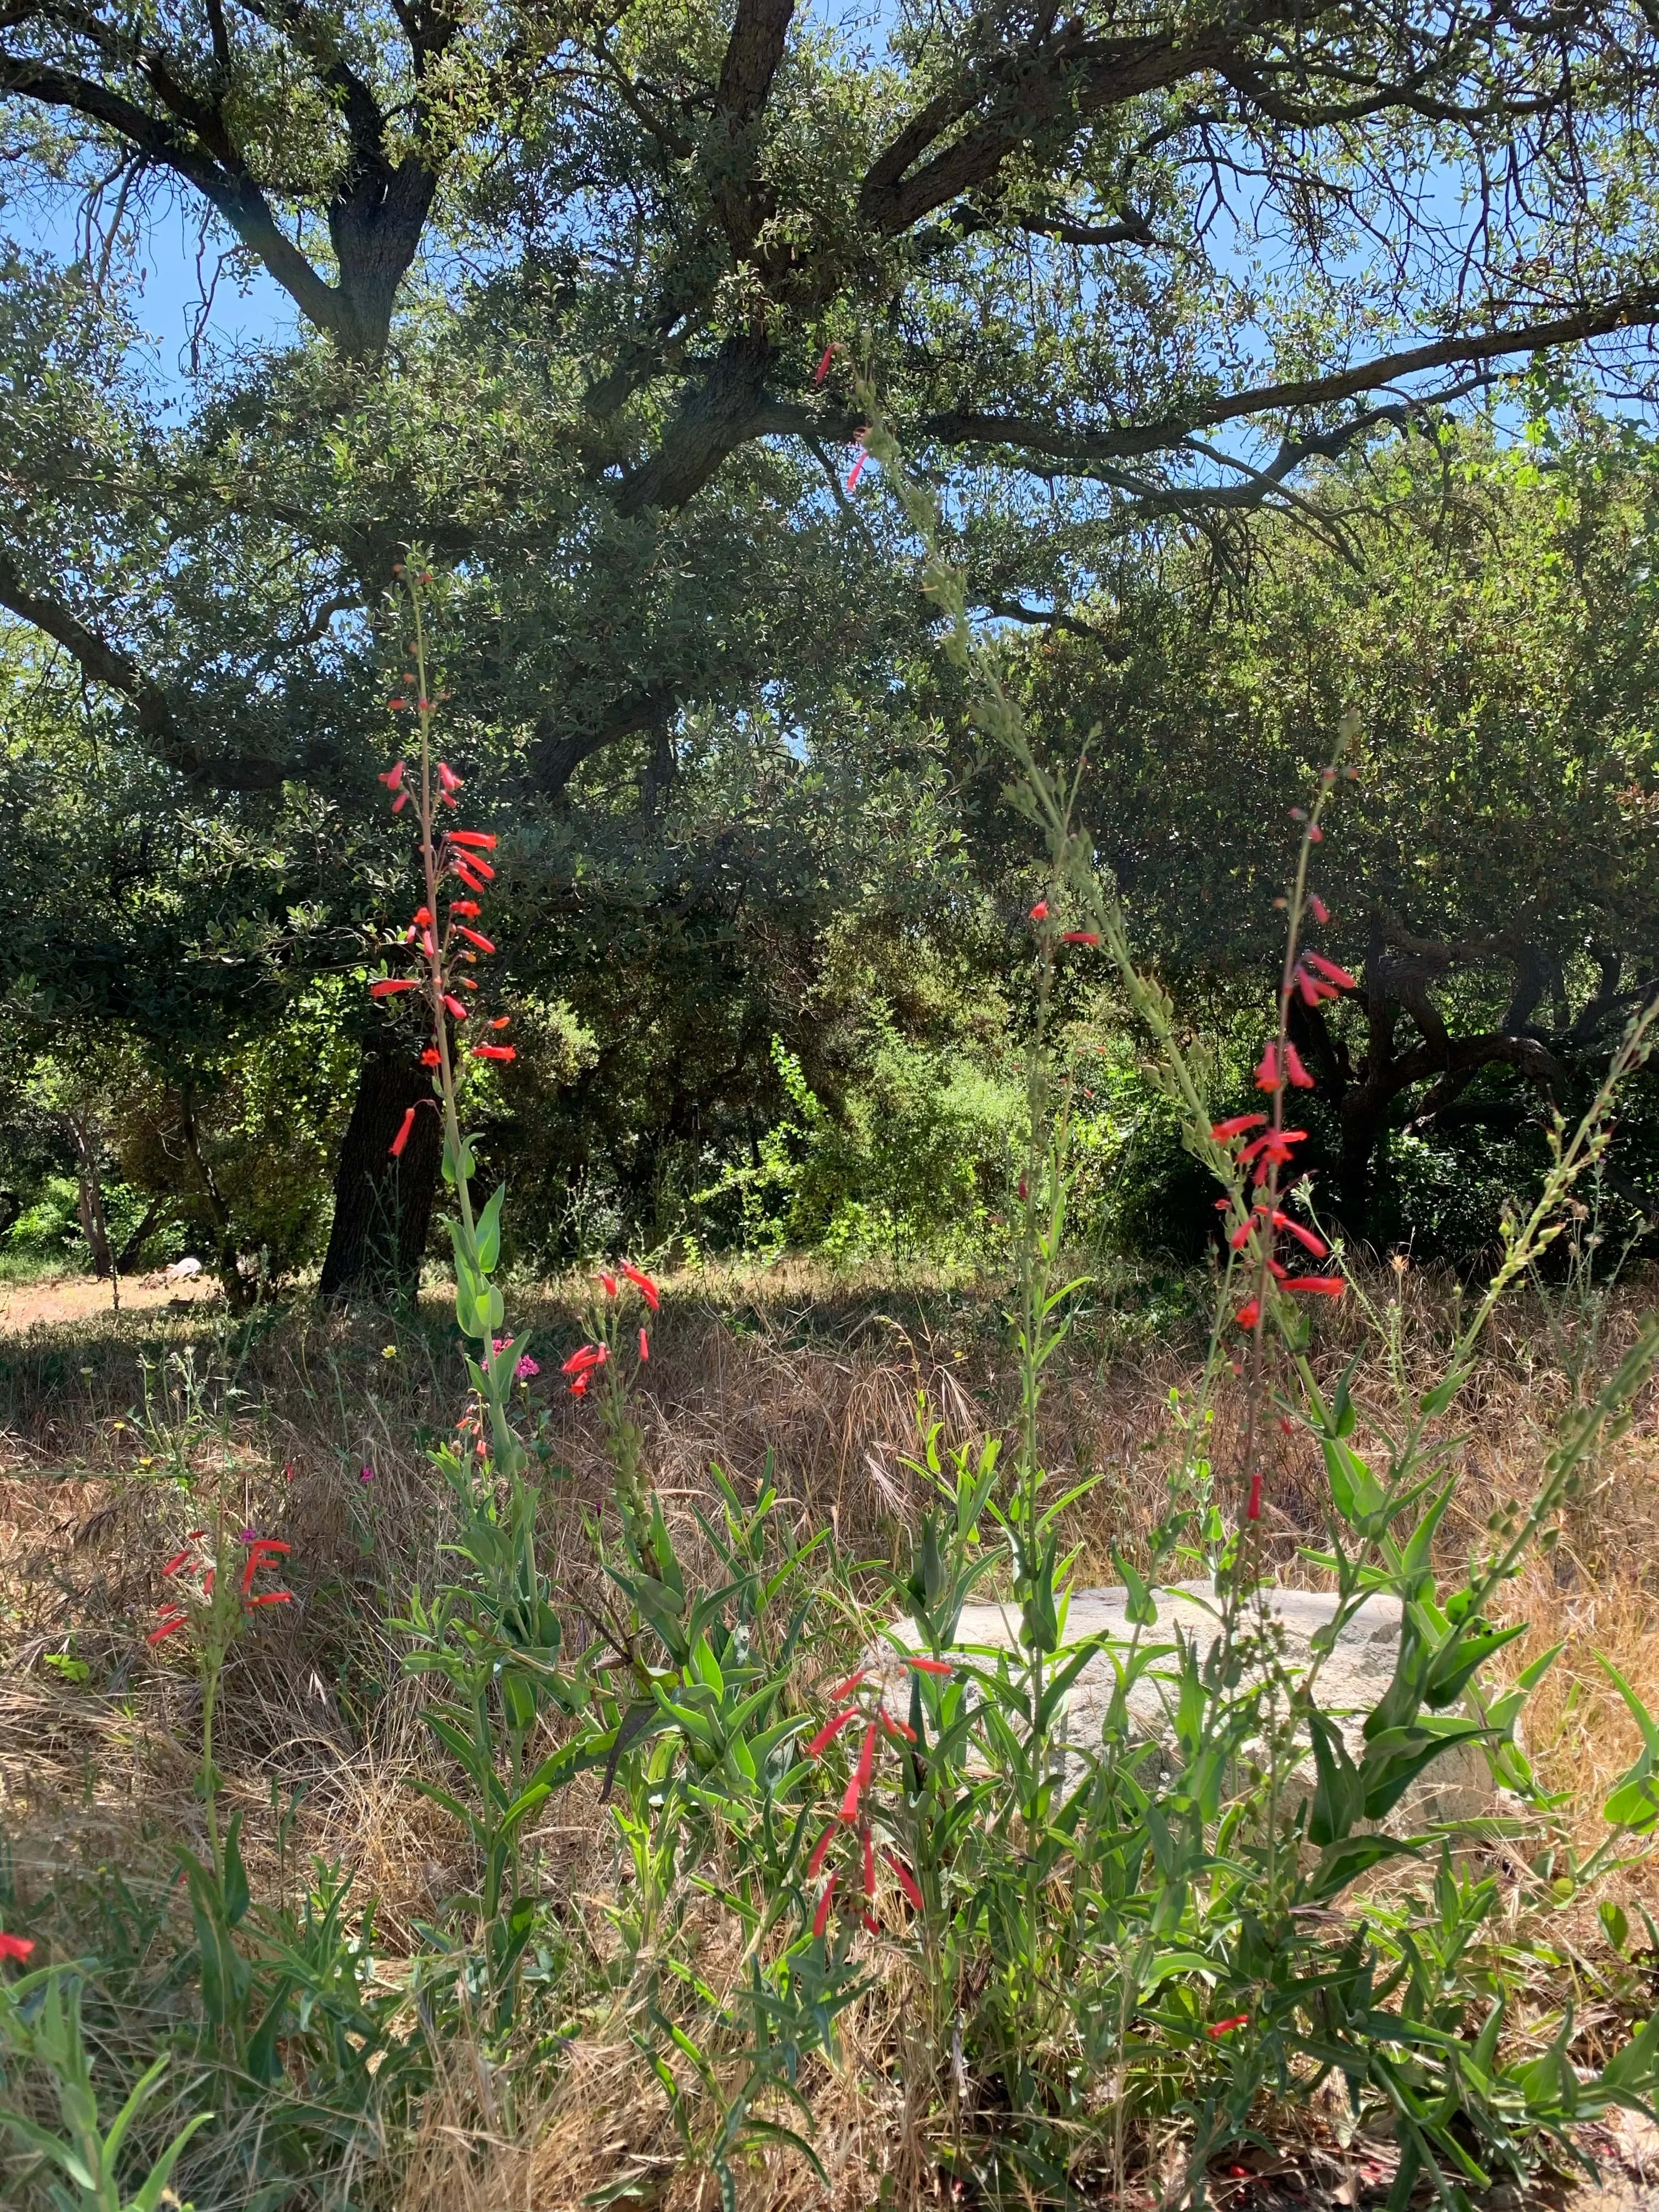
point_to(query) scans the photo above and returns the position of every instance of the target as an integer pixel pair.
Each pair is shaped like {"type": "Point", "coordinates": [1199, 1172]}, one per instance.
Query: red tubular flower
{"type": "Point", "coordinates": [831, 1728]}
{"type": "Point", "coordinates": [396, 1147]}
{"type": "Point", "coordinates": [906, 1880]}
{"type": "Point", "coordinates": [447, 778]}
{"type": "Point", "coordinates": [389, 986]}
{"type": "Point", "coordinates": [397, 705]}
{"type": "Point", "coordinates": [1249, 1314]}
{"type": "Point", "coordinates": [1252, 1510]}
{"type": "Point", "coordinates": [502, 1022]}
{"type": "Point", "coordinates": [1241, 1236]}
{"type": "Point", "coordinates": [590, 1355]}
{"type": "Point", "coordinates": [494, 1052]}
{"type": "Point", "coordinates": [429, 1058]}
{"type": "Point", "coordinates": [454, 1005]}
{"type": "Point", "coordinates": [896, 1730]}
{"type": "Point", "coordinates": [1330, 971]}
{"type": "Point", "coordinates": [465, 906]}
{"type": "Point", "coordinates": [821, 1851]}
{"type": "Point", "coordinates": [928, 1665]}
{"type": "Point", "coordinates": [1224, 1132]}
{"type": "Point", "coordinates": [466, 876]}
{"type": "Point", "coordinates": [1267, 1073]}
{"type": "Point", "coordinates": [860, 1777]}
{"type": "Point", "coordinates": [823, 368]}
{"type": "Point", "coordinates": [846, 1689]}
{"type": "Point", "coordinates": [648, 1289]}
{"type": "Point", "coordinates": [1275, 1146]}
{"type": "Point", "coordinates": [169, 1622]}
{"type": "Point", "coordinates": [645, 1346]}
{"type": "Point", "coordinates": [1317, 908]}
{"type": "Point", "coordinates": [257, 1556]}
{"type": "Point", "coordinates": [483, 839]}
{"type": "Point", "coordinates": [578, 1389]}
{"type": "Point", "coordinates": [608, 1285]}
{"type": "Point", "coordinates": [1324, 1287]}
{"type": "Point", "coordinates": [15, 1947]}
{"type": "Point", "coordinates": [1304, 1237]}
{"type": "Point", "coordinates": [392, 777]}
{"type": "Point", "coordinates": [821, 1917]}
{"type": "Point", "coordinates": [869, 1862]}
{"type": "Point", "coordinates": [1040, 911]}
{"type": "Point", "coordinates": [400, 802]}
{"type": "Point", "coordinates": [473, 938]}
{"type": "Point", "coordinates": [1226, 2026]}
{"type": "Point", "coordinates": [273, 1597]}
{"type": "Point", "coordinates": [421, 918]}
{"type": "Point", "coordinates": [857, 471]}
{"type": "Point", "coordinates": [1081, 936]}
{"type": "Point", "coordinates": [175, 1562]}
{"type": "Point", "coordinates": [1313, 992]}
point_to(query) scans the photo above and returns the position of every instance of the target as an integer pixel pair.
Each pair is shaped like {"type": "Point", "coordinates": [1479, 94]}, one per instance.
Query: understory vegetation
{"type": "Point", "coordinates": [738, 1820]}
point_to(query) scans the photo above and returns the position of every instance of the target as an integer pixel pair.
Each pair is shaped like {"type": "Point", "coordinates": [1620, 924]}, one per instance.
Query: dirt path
{"type": "Point", "coordinates": [59, 1298]}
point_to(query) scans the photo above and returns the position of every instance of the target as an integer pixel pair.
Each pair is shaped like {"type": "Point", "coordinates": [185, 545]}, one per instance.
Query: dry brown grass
{"type": "Point", "coordinates": [820, 1379]}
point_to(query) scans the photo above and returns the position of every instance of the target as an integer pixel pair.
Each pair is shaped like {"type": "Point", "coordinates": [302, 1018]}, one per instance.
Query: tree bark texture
{"type": "Point", "coordinates": [382, 1205]}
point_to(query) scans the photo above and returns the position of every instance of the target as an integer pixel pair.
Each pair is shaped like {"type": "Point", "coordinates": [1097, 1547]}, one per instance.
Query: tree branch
{"type": "Point", "coordinates": [752, 55]}
{"type": "Point", "coordinates": [1030, 91]}
{"type": "Point", "coordinates": [153, 712]}
{"type": "Point", "coordinates": [557, 752]}
{"type": "Point", "coordinates": [968, 427]}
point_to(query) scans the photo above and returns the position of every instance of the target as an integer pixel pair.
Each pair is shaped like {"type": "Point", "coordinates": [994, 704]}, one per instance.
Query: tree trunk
{"type": "Point", "coordinates": [382, 1205]}
{"type": "Point", "coordinates": [90, 1205]}
{"type": "Point", "coordinates": [239, 1292]}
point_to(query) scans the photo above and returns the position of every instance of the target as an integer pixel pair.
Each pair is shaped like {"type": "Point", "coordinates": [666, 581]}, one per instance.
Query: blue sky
{"type": "Point", "coordinates": [167, 302]}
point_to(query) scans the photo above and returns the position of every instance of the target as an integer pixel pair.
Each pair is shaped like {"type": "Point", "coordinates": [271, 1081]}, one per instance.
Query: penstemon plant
{"type": "Point", "coordinates": [447, 947]}
{"type": "Point", "coordinates": [495, 1638]}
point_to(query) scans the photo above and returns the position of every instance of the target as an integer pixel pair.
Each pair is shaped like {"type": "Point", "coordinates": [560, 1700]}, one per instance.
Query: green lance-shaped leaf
{"type": "Point", "coordinates": [1635, 1800]}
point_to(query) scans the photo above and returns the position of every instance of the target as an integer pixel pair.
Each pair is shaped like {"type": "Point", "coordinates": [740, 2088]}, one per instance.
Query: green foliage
{"type": "Point", "coordinates": [40, 2022]}
{"type": "Point", "coordinates": [919, 1159]}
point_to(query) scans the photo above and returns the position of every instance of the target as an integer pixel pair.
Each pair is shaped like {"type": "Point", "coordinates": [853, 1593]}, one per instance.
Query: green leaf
{"type": "Point", "coordinates": [1414, 1561]}
{"type": "Point", "coordinates": [1395, 1758]}
{"type": "Point", "coordinates": [1339, 1797]}
{"type": "Point", "coordinates": [140, 2093]}
{"type": "Point", "coordinates": [1437, 1401]}
{"type": "Point", "coordinates": [1452, 1667]}
{"type": "Point", "coordinates": [1140, 1609]}
{"type": "Point", "coordinates": [236, 1889]}
{"type": "Point", "coordinates": [487, 1235]}
{"type": "Point", "coordinates": [1638, 1711]}
{"type": "Point", "coordinates": [1345, 1861]}
{"type": "Point", "coordinates": [1355, 1490]}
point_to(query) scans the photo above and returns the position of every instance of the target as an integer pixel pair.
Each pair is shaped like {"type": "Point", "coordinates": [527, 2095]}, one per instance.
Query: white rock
{"type": "Point", "coordinates": [1353, 1677]}
{"type": "Point", "coordinates": [184, 1271]}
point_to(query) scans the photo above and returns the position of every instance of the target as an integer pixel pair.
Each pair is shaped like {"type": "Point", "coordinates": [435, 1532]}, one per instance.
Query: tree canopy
{"type": "Point", "coordinates": [579, 301]}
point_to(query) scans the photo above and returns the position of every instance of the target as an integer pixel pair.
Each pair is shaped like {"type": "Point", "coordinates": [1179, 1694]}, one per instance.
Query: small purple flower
{"type": "Point", "coordinates": [366, 1474]}
{"type": "Point", "coordinates": [527, 1367]}
{"type": "Point", "coordinates": [248, 1536]}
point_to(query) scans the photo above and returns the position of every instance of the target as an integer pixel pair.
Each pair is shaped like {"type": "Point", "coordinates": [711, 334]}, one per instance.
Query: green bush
{"type": "Point", "coordinates": [921, 1158]}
